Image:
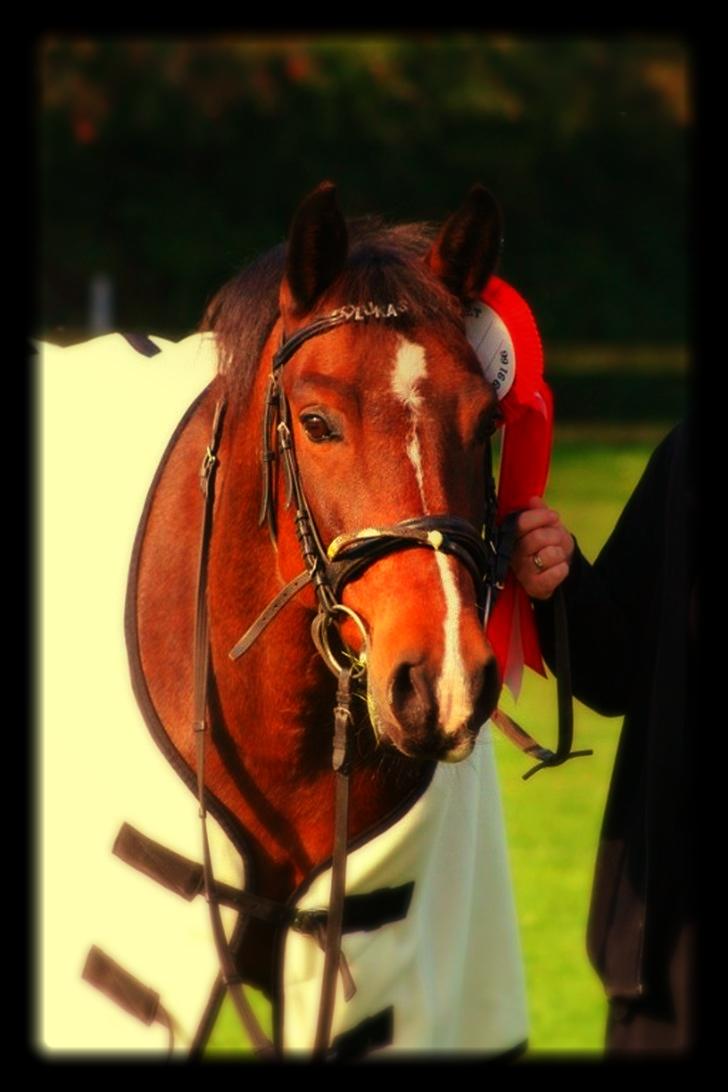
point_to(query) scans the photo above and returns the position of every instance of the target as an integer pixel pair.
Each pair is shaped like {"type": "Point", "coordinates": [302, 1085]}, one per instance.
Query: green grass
{"type": "Point", "coordinates": [553, 820]}
{"type": "Point", "coordinates": [228, 1037]}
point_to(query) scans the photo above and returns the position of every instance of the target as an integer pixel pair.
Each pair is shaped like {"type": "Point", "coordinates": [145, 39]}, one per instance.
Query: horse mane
{"type": "Point", "coordinates": [384, 265]}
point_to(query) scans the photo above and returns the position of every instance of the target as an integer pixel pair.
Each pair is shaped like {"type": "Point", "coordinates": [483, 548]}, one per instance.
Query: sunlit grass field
{"type": "Point", "coordinates": [553, 820]}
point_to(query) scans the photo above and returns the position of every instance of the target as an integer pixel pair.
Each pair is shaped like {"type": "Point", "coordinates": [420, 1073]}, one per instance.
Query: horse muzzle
{"type": "Point", "coordinates": [428, 716]}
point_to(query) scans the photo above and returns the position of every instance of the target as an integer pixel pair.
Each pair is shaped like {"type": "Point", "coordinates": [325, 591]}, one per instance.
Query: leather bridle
{"type": "Point", "coordinates": [485, 553]}
{"type": "Point", "coordinates": [349, 554]}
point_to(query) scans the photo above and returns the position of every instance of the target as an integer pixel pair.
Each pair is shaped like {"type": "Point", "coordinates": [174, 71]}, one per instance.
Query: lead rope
{"type": "Point", "coordinates": [564, 694]}
{"type": "Point", "coordinates": [230, 976]}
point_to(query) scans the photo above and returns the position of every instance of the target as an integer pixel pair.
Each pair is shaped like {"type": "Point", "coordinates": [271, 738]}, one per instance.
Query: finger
{"type": "Point", "coordinates": [541, 537]}
{"type": "Point", "coordinates": [538, 502]}
{"type": "Point", "coordinates": [531, 518]}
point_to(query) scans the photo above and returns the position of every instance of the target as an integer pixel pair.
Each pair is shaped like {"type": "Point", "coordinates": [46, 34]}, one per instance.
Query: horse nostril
{"type": "Point", "coordinates": [412, 696]}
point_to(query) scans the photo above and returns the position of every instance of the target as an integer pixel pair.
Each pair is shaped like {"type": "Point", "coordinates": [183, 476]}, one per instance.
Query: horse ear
{"type": "Point", "coordinates": [467, 249]}
{"type": "Point", "coordinates": [317, 248]}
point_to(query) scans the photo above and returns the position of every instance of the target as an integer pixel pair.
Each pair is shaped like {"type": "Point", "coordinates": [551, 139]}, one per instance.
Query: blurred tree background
{"type": "Point", "coordinates": [167, 164]}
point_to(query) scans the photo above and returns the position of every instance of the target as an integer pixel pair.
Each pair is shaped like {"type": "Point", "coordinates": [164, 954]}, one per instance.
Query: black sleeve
{"type": "Point", "coordinates": [610, 604]}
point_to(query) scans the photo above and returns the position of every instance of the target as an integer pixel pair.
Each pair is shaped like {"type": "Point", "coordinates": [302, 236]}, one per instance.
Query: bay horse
{"type": "Point", "coordinates": [389, 415]}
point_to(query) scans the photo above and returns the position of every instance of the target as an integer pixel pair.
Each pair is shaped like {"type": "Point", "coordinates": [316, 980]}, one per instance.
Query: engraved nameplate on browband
{"type": "Point", "coordinates": [360, 312]}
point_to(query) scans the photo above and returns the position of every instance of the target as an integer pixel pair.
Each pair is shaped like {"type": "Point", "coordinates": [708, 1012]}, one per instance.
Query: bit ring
{"type": "Point", "coordinates": [331, 660]}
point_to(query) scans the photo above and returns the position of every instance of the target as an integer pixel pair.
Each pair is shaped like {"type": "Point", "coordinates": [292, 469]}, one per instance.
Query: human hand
{"type": "Point", "coordinates": [543, 550]}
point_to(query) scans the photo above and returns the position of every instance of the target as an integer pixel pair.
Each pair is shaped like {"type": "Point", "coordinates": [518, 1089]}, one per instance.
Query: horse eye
{"type": "Point", "coordinates": [317, 428]}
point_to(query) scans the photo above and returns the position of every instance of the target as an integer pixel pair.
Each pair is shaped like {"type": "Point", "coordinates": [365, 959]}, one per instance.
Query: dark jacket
{"type": "Point", "coordinates": [631, 635]}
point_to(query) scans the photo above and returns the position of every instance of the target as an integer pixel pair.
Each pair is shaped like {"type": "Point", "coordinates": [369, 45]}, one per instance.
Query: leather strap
{"type": "Point", "coordinates": [122, 987]}
{"type": "Point", "coordinates": [186, 878]}
{"type": "Point", "coordinates": [350, 554]}
{"type": "Point", "coordinates": [268, 457]}
{"type": "Point", "coordinates": [341, 763]}
{"type": "Point", "coordinates": [563, 691]}
{"type": "Point", "coordinates": [261, 1043]}
{"type": "Point", "coordinates": [318, 326]}
{"type": "Point", "coordinates": [266, 616]}
{"type": "Point", "coordinates": [519, 736]}
{"type": "Point", "coordinates": [142, 344]}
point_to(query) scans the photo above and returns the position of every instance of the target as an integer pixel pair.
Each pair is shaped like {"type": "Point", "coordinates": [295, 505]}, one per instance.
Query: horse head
{"type": "Point", "coordinates": [389, 415]}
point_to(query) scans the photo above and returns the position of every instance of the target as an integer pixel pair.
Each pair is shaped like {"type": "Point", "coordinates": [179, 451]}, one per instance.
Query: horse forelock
{"type": "Point", "coordinates": [385, 265]}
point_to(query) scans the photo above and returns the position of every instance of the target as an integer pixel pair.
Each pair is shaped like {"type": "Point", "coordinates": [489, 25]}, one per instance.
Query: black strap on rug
{"type": "Point", "coordinates": [374, 1032]}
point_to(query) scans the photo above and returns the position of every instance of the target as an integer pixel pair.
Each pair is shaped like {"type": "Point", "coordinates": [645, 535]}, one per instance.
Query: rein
{"type": "Point", "coordinates": [486, 556]}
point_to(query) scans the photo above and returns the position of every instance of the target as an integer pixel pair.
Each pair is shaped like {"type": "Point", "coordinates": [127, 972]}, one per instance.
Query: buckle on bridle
{"type": "Point", "coordinates": [208, 461]}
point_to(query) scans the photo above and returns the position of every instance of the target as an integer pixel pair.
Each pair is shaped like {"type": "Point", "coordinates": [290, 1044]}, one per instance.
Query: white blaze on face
{"type": "Point", "coordinates": [453, 686]}
{"type": "Point", "coordinates": [453, 689]}
{"type": "Point", "coordinates": [409, 368]}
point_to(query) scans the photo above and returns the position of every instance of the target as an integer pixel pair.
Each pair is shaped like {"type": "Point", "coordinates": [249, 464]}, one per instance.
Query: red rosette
{"type": "Point", "coordinates": [527, 409]}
